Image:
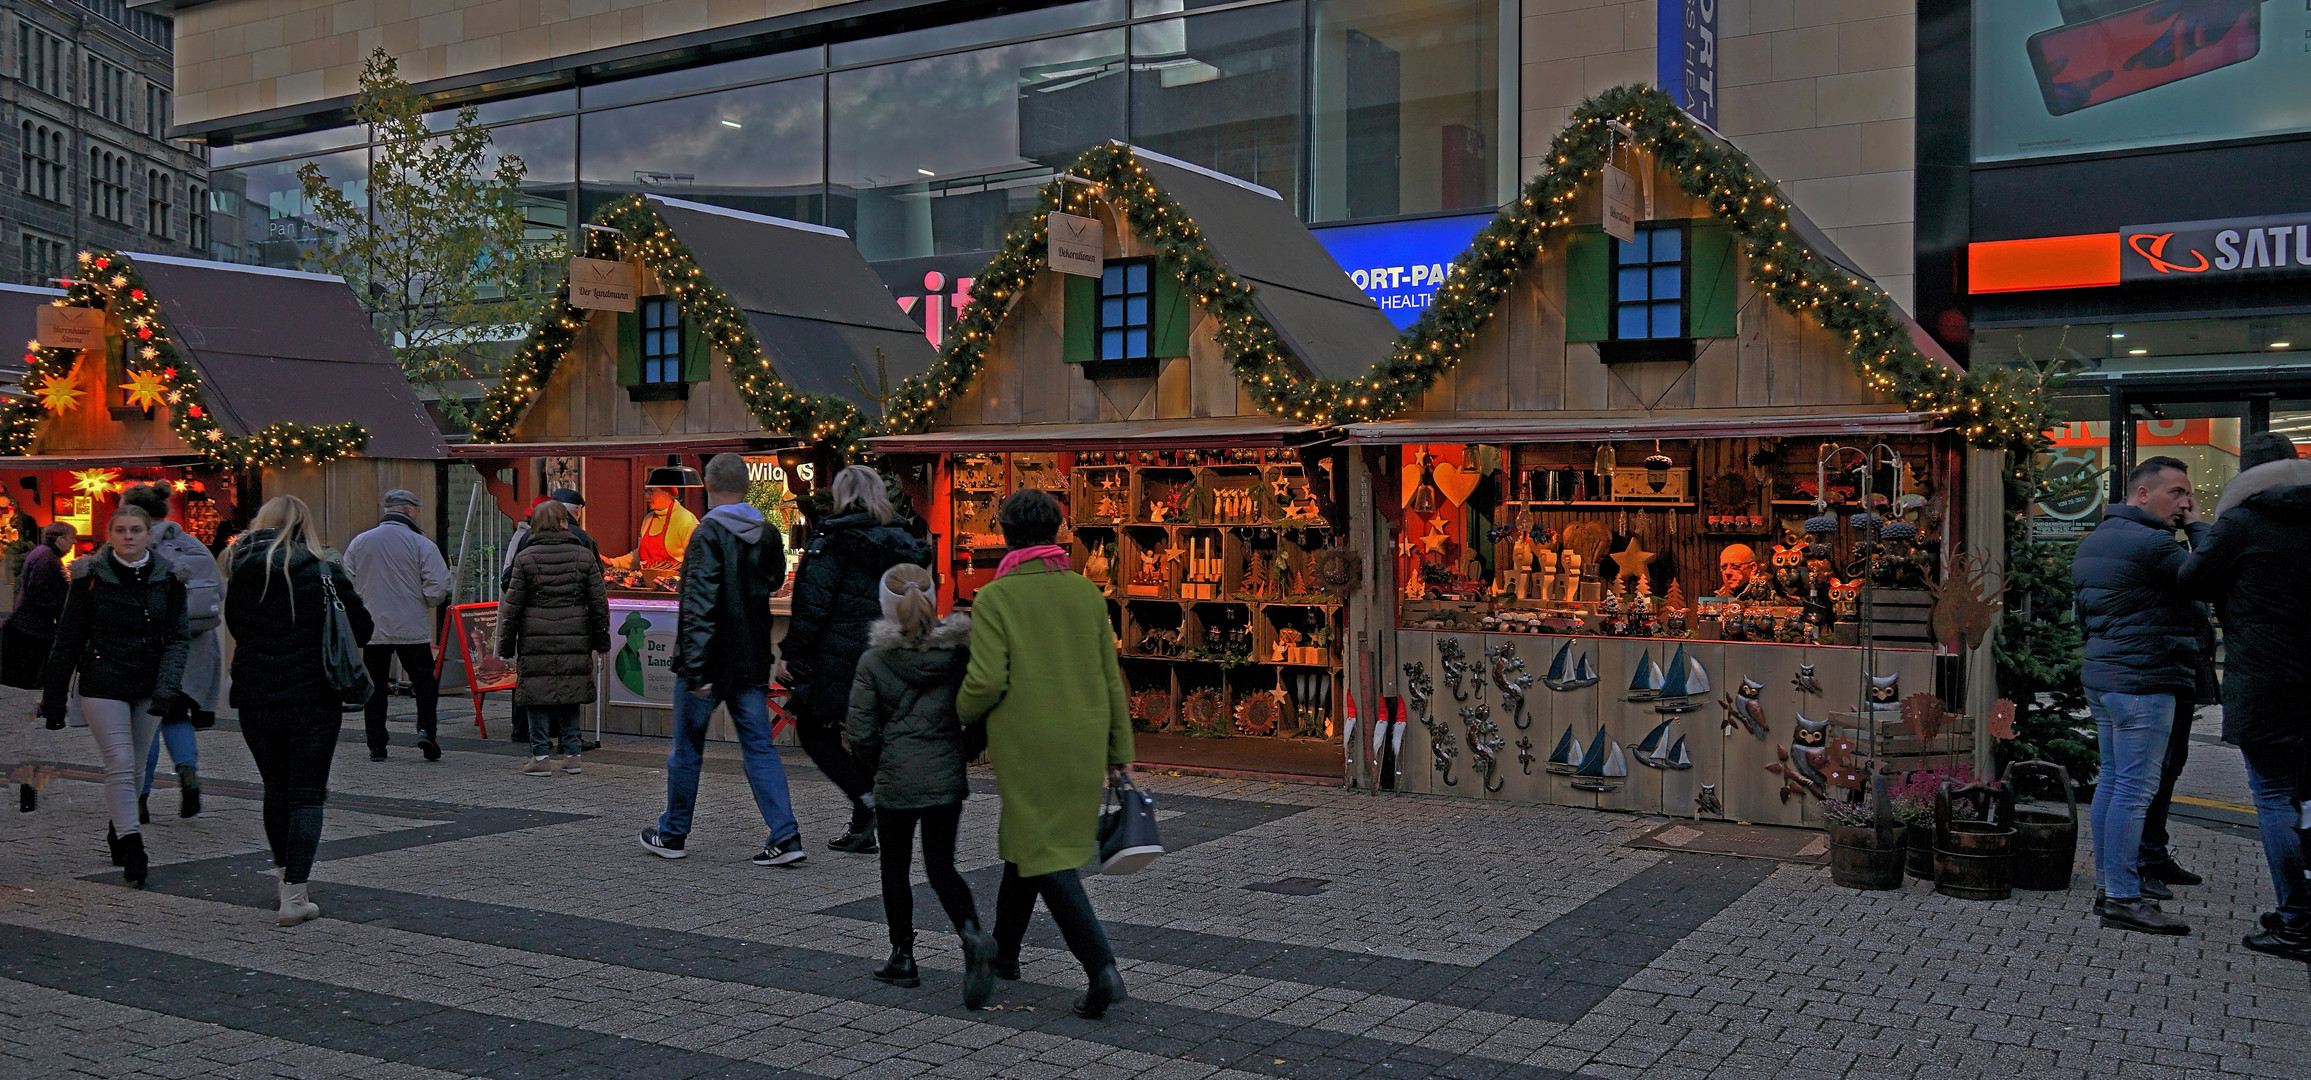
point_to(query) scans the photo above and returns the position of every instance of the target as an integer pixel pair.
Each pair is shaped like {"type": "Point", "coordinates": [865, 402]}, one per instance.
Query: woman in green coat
{"type": "Point", "coordinates": [1043, 678]}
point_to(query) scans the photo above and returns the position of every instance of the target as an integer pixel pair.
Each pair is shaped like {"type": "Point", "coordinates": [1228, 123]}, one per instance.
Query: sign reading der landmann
{"type": "Point", "coordinates": [2230, 247]}
{"type": "Point", "coordinates": [602, 285]}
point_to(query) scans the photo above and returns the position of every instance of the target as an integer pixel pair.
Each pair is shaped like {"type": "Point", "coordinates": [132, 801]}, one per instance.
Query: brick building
{"type": "Point", "coordinates": [88, 102]}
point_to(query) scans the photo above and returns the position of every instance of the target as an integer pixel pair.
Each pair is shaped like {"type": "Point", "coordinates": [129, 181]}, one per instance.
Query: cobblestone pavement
{"type": "Point", "coordinates": [481, 923]}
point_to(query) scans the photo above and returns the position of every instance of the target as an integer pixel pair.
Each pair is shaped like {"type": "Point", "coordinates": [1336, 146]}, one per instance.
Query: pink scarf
{"type": "Point", "coordinates": [1053, 556]}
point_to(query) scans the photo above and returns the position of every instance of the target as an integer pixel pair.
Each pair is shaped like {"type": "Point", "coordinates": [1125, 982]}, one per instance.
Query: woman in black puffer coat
{"type": "Point", "coordinates": [554, 617]}
{"type": "Point", "coordinates": [837, 598]}
{"type": "Point", "coordinates": [275, 608]}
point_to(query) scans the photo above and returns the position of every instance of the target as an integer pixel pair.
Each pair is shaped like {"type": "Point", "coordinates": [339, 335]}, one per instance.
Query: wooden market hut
{"type": "Point", "coordinates": [1657, 406]}
{"type": "Point", "coordinates": [748, 334]}
{"type": "Point", "coordinates": [238, 383]}
{"type": "Point", "coordinates": [1147, 398]}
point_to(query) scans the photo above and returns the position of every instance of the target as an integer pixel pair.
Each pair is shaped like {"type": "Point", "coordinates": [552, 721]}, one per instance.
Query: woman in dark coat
{"type": "Point", "coordinates": [31, 628]}
{"type": "Point", "coordinates": [837, 598]}
{"type": "Point", "coordinates": [554, 617]}
{"type": "Point", "coordinates": [290, 715]}
{"type": "Point", "coordinates": [123, 634]}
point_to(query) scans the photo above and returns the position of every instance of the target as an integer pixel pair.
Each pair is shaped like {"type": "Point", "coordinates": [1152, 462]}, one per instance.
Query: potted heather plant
{"type": "Point", "coordinates": [1913, 807]}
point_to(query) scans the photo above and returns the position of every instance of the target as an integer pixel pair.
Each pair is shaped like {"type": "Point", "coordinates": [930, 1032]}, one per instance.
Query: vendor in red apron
{"type": "Point", "coordinates": [665, 533]}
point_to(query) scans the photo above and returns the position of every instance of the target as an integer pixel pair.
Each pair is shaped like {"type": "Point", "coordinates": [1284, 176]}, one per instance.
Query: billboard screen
{"type": "Point", "coordinates": [2079, 76]}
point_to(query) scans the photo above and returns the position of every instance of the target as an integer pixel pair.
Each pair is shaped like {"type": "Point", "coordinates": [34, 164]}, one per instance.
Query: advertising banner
{"type": "Point", "coordinates": [642, 651]}
{"type": "Point", "coordinates": [1686, 56]}
{"type": "Point", "coordinates": [2233, 247]}
{"type": "Point", "coordinates": [1401, 264]}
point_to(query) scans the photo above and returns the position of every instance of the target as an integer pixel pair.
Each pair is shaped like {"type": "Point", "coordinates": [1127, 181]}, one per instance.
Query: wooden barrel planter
{"type": "Point", "coordinates": [1867, 857]}
{"type": "Point", "coordinates": [1973, 860]}
{"type": "Point", "coordinates": [1920, 847]}
{"type": "Point", "coordinates": [2045, 842]}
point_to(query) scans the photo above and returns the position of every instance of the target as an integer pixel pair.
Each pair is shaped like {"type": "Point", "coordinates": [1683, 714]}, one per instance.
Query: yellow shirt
{"type": "Point", "coordinates": [671, 530]}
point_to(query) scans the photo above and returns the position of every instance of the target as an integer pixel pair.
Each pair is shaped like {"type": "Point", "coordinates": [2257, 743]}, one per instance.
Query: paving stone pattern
{"type": "Point", "coordinates": [478, 923]}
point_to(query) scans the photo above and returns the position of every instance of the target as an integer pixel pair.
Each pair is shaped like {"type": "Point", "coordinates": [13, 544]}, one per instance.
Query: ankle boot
{"type": "Point", "coordinates": [860, 840]}
{"type": "Point", "coordinates": [188, 791]}
{"type": "Point", "coordinates": [112, 840]}
{"type": "Point", "coordinates": [295, 906]}
{"type": "Point", "coordinates": [144, 809]}
{"type": "Point", "coordinates": [132, 859]}
{"type": "Point", "coordinates": [1106, 989]}
{"type": "Point", "coordinates": [978, 964]}
{"type": "Point", "coordinates": [899, 970]}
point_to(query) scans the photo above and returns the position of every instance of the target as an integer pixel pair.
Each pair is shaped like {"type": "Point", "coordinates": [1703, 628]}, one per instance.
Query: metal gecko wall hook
{"type": "Point", "coordinates": [1510, 675]}
{"type": "Point", "coordinates": [1525, 755]}
{"type": "Point", "coordinates": [1454, 663]}
{"type": "Point", "coordinates": [1418, 688]}
{"type": "Point", "coordinates": [1484, 743]}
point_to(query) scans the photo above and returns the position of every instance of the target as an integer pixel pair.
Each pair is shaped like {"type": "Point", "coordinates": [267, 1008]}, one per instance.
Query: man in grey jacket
{"type": "Point", "coordinates": [402, 578]}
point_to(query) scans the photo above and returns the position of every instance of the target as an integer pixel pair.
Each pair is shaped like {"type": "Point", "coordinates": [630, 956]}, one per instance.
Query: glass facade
{"type": "Point", "coordinates": [930, 142]}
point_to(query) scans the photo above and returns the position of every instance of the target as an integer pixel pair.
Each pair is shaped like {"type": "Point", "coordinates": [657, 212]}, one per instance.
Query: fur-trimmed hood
{"type": "Point", "coordinates": [99, 562]}
{"type": "Point", "coordinates": [2291, 472]}
{"type": "Point", "coordinates": [952, 632]}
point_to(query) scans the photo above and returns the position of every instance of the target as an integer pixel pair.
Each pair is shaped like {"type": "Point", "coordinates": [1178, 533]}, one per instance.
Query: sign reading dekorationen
{"type": "Point", "coordinates": [2224, 248]}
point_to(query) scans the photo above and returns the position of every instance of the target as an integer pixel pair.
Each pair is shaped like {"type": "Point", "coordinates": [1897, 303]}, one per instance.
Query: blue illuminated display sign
{"type": "Point", "coordinates": [1400, 264]}
{"type": "Point", "coordinates": [1685, 51]}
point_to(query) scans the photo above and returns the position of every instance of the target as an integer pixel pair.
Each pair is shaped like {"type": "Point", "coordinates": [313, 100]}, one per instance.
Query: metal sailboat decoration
{"type": "Point", "coordinates": [1566, 673]}
{"type": "Point", "coordinates": [1603, 767]}
{"type": "Point", "coordinates": [1645, 681]}
{"type": "Point", "coordinates": [1657, 751]}
{"type": "Point", "coordinates": [1567, 756]}
{"type": "Point", "coordinates": [1687, 679]}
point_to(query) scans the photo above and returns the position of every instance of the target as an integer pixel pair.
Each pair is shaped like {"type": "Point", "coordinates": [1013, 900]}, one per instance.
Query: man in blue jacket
{"type": "Point", "coordinates": [2142, 655]}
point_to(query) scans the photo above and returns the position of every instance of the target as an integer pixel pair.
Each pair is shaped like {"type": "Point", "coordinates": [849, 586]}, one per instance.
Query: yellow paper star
{"type": "Point", "coordinates": [59, 396]}
{"type": "Point", "coordinates": [1634, 561]}
{"type": "Point", "coordinates": [94, 483]}
{"type": "Point", "coordinates": [146, 390]}
{"type": "Point", "coordinates": [1436, 541]}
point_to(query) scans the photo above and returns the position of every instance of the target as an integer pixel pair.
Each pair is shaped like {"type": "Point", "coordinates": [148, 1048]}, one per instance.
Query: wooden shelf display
{"type": "Point", "coordinates": [1206, 558]}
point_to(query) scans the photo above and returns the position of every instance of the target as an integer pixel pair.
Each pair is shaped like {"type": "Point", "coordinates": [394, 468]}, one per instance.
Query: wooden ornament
{"type": "Point", "coordinates": [1454, 482]}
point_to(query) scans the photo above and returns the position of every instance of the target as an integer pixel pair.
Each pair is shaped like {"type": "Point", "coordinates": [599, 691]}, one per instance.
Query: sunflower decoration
{"type": "Point", "coordinates": [1205, 714]}
{"type": "Point", "coordinates": [146, 389]}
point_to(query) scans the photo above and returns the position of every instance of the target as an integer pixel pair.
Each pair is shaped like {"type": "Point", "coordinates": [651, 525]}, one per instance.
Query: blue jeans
{"type": "Point", "coordinates": [182, 750]}
{"type": "Point", "coordinates": [2275, 818]}
{"type": "Point", "coordinates": [765, 773]}
{"type": "Point", "coordinates": [550, 724]}
{"type": "Point", "coordinates": [2133, 729]}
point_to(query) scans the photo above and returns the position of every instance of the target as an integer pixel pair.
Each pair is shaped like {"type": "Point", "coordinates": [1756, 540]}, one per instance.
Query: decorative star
{"type": "Point", "coordinates": [94, 483]}
{"type": "Point", "coordinates": [1436, 541]}
{"type": "Point", "coordinates": [146, 390]}
{"type": "Point", "coordinates": [1634, 561]}
{"type": "Point", "coordinates": [59, 396]}
{"type": "Point", "coordinates": [1408, 546]}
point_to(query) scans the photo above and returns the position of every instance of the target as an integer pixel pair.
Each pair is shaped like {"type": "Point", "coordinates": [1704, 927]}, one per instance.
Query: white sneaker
{"type": "Point", "coordinates": [295, 907]}
{"type": "Point", "coordinates": [570, 764]}
{"type": "Point", "coordinates": [538, 766]}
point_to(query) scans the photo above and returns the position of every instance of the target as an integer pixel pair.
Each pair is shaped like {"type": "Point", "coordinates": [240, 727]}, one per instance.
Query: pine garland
{"type": "Point", "coordinates": [160, 375]}
{"type": "Point", "coordinates": [815, 418]}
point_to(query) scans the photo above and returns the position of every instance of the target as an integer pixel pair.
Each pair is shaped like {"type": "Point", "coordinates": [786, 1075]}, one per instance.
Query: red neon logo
{"type": "Point", "coordinates": [2156, 254]}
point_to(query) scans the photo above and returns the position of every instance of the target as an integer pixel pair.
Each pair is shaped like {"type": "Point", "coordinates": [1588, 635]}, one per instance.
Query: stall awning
{"type": "Point", "coordinates": [668, 444]}
{"type": "Point", "coordinates": [101, 459]}
{"type": "Point", "coordinates": [1113, 435]}
{"type": "Point", "coordinates": [1553, 428]}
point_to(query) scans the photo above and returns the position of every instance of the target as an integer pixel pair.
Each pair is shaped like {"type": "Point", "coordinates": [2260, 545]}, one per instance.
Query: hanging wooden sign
{"type": "Point", "coordinates": [71, 327]}
{"type": "Point", "coordinates": [1620, 204]}
{"type": "Point", "coordinates": [1075, 245]}
{"type": "Point", "coordinates": [601, 285]}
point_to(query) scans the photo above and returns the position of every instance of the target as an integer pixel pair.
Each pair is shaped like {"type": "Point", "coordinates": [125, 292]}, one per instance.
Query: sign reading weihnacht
{"type": "Point", "coordinates": [70, 327]}
{"type": "Point", "coordinates": [1686, 56]}
{"type": "Point", "coordinates": [2224, 248]}
{"type": "Point", "coordinates": [1620, 204]}
{"type": "Point", "coordinates": [1075, 245]}
{"type": "Point", "coordinates": [602, 285]}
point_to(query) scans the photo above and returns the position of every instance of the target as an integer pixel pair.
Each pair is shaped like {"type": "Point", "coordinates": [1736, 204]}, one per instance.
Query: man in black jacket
{"type": "Point", "coordinates": [2142, 656]}
{"type": "Point", "coordinates": [722, 656]}
{"type": "Point", "coordinates": [2252, 567]}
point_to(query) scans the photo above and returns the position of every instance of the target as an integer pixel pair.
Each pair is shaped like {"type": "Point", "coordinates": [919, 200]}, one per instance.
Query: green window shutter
{"type": "Point", "coordinates": [1079, 322]}
{"type": "Point", "coordinates": [1588, 284]}
{"type": "Point", "coordinates": [630, 348]}
{"type": "Point", "coordinates": [1167, 314]}
{"type": "Point", "coordinates": [697, 352]}
{"type": "Point", "coordinates": [1716, 281]}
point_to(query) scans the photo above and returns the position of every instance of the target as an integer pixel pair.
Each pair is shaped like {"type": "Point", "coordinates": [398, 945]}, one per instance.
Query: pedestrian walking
{"type": "Point", "coordinates": [275, 608]}
{"type": "Point", "coordinates": [2142, 656]}
{"type": "Point", "coordinates": [204, 656]}
{"type": "Point", "coordinates": [402, 578]}
{"type": "Point", "coordinates": [1044, 681]}
{"type": "Point", "coordinates": [904, 730]}
{"type": "Point", "coordinates": [837, 598]}
{"type": "Point", "coordinates": [30, 629]}
{"type": "Point", "coordinates": [123, 635]}
{"type": "Point", "coordinates": [520, 725]}
{"type": "Point", "coordinates": [722, 657]}
{"type": "Point", "coordinates": [553, 619]}
{"type": "Point", "coordinates": [2252, 568]}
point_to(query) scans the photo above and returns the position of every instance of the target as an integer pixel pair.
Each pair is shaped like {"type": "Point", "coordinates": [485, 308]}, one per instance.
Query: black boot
{"type": "Point", "coordinates": [112, 840]}
{"type": "Point", "coordinates": [860, 840]}
{"type": "Point", "coordinates": [144, 811]}
{"type": "Point", "coordinates": [1006, 970]}
{"type": "Point", "coordinates": [188, 791]}
{"type": "Point", "coordinates": [899, 970]}
{"type": "Point", "coordinates": [978, 965]}
{"type": "Point", "coordinates": [132, 859]}
{"type": "Point", "coordinates": [2281, 941]}
{"type": "Point", "coordinates": [1106, 989]}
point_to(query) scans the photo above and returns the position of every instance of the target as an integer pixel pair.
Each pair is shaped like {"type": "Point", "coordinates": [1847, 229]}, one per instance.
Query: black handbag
{"type": "Point", "coordinates": [341, 651]}
{"type": "Point", "coordinates": [1127, 831]}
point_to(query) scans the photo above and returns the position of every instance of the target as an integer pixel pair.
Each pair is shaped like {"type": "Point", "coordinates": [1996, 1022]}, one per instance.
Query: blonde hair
{"type": "Point", "coordinates": [859, 488]}
{"type": "Point", "coordinates": [915, 603]}
{"type": "Point", "coordinates": [548, 516]}
{"type": "Point", "coordinates": [286, 515]}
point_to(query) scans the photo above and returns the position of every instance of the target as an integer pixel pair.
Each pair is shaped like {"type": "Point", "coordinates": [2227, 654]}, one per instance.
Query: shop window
{"type": "Point", "coordinates": [660, 351]}
{"type": "Point", "coordinates": [1649, 284]}
{"type": "Point", "coordinates": [1650, 298]}
{"type": "Point", "coordinates": [1405, 107]}
{"type": "Point", "coordinates": [1134, 311]}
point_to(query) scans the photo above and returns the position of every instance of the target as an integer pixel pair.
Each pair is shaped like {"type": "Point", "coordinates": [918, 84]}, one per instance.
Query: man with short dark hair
{"type": "Point", "coordinates": [722, 656]}
{"type": "Point", "coordinates": [2253, 567]}
{"type": "Point", "coordinates": [2142, 656]}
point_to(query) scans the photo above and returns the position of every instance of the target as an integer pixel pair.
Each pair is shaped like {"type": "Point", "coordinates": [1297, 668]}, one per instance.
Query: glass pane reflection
{"type": "Point", "coordinates": [755, 149]}
{"type": "Point", "coordinates": [1406, 106]}
{"type": "Point", "coordinates": [1223, 91]}
{"type": "Point", "coordinates": [259, 214]}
